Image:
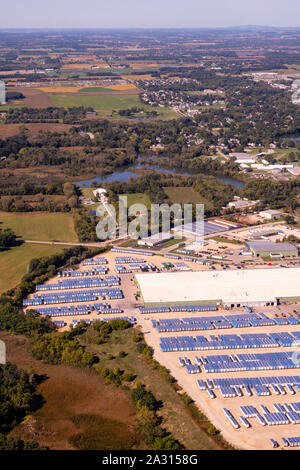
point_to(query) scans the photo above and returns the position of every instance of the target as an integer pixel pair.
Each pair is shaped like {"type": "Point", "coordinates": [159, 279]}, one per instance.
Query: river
{"type": "Point", "coordinates": [126, 173]}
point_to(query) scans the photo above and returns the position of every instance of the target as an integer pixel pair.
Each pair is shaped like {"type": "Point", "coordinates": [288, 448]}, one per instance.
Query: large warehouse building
{"type": "Point", "coordinates": [272, 250]}
{"type": "Point", "coordinates": [228, 288]}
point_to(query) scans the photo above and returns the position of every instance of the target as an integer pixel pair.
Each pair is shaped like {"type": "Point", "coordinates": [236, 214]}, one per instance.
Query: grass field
{"type": "Point", "coordinates": [176, 416]}
{"type": "Point", "coordinates": [14, 262]}
{"type": "Point", "coordinates": [106, 104]}
{"type": "Point", "coordinates": [138, 198]}
{"type": "Point", "coordinates": [80, 410]}
{"type": "Point", "coordinates": [87, 192]}
{"type": "Point", "coordinates": [185, 195]}
{"type": "Point", "coordinates": [40, 226]}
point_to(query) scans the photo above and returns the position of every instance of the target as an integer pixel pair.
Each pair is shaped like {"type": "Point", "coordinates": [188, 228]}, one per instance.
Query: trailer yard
{"type": "Point", "coordinates": [237, 364]}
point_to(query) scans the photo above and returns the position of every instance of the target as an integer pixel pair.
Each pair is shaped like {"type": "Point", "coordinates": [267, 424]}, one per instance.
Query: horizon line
{"type": "Point", "coordinates": [144, 27]}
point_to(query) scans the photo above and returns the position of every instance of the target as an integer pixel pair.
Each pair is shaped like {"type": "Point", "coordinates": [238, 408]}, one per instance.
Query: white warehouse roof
{"type": "Point", "coordinates": [231, 287]}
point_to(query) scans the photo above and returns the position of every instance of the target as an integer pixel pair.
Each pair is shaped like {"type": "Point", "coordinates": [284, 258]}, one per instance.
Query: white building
{"type": "Point", "coordinates": [2, 93]}
{"type": "Point", "coordinates": [270, 214]}
{"type": "Point", "coordinates": [99, 192]}
{"type": "Point", "coordinates": [156, 239]}
{"type": "Point", "coordinates": [231, 288]}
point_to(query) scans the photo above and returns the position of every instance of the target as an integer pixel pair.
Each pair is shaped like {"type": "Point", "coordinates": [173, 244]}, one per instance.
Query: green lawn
{"type": "Point", "coordinates": [40, 226]}
{"type": "Point", "coordinates": [172, 242]}
{"type": "Point", "coordinates": [106, 104]}
{"type": "Point", "coordinates": [138, 198]}
{"type": "Point", "coordinates": [186, 195]}
{"type": "Point", "coordinates": [14, 262]}
{"type": "Point", "coordinates": [87, 192]}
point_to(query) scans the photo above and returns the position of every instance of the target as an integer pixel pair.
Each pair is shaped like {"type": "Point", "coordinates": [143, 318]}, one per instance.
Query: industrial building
{"type": "Point", "coordinates": [2, 93]}
{"type": "Point", "coordinates": [270, 214]}
{"type": "Point", "coordinates": [156, 239]}
{"type": "Point", "coordinates": [256, 287]}
{"type": "Point", "coordinates": [265, 233]}
{"type": "Point", "coordinates": [241, 157]}
{"type": "Point", "coordinates": [272, 250]}
{"type": "Point", "coordinates": [208, 227]}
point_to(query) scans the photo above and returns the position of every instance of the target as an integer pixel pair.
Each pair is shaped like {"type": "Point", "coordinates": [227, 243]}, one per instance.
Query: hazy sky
{"type": "Point", "coordinates": [147, 13]}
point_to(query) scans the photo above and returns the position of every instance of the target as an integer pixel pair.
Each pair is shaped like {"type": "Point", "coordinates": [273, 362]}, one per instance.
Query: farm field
{"type": "Point", "coordinates": [79, 407]}
{"type": "Point", "coordinates": [176, 415]}
{"type": "Point", "coordinates": [14, 262]}
{"type": "Point", "coordinates": [43, 226]}
{"type": "Point", "coordinates": [185, 195]}
{"type": "Point", "coordinates": [105, 104]}
{"type": "Point", "coordinates": [34, 98]}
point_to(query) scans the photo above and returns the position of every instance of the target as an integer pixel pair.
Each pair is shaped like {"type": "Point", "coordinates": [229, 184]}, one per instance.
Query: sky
{"type": "Point", "coordinates": [147, 13]}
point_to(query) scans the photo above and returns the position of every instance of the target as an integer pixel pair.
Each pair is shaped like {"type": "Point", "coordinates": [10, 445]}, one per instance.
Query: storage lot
{"type": "Point", "coordinates": [257, 436]}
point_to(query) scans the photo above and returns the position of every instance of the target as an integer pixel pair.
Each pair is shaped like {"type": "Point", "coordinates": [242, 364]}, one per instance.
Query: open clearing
{"type": "Point", "coordinates": [8, 130]}
{"type": "Point", "coordinates": [138, 198]}
{"type": "Point", "coordinates": [14, 262]}
{"type": "Point", "coordinates": [78, 406]}
{"type": "Point", "coordinates": [38, 226]}
{"type": "Point", "coordinates": [183, 195]}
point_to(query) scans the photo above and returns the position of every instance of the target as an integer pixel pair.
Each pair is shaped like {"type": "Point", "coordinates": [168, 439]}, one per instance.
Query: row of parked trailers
{"type": "Point", "coordinates": [260, 386]}
{"type": "Point", "coordinates": [290, 441]}
{"type": "Point", "coordinates": [76, 296]}
{"type": "Point", "coordinates": [212, 322]}
{"type": "Point", "coordinates": [248, 362]}
{"type": "Point", "coordinates": [128, 260]}
{"type": "Point", "coordinates": [215, 322]}
{"type": "Point", "coordinates": [133, 251]}
{"type": "Point", "coordinates": [71, 310]}
{"type": "Point", "coordinates": [131, 320]}
{"type": "Point", "coordinates": [66, 284]}
{"type": "Point", "coordinates": [95, 271]}
{"type": "Point", "coordinates": [221, 342]}
{"type": "Point", "coordinates": [283, 415]}
{"type": "Point", "coordinates": [94, 261]}
{"type": "Point", "coordinates": [121, 269]}
{"type": "Point", "coordinates": [176, 308]}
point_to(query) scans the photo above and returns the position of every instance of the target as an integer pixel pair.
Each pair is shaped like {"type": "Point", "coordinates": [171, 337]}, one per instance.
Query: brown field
{"type": "Point", "coordinates": [122, 87]}
{"type": "Point", "coordinates": [42, 171]}
{"type": "Point", "coordinates": [8, 130]}
{"type": "Point", "coordinates": [137, 77]}
{"type": "Point", "coordinates": [60, 89]}
{"type": "Point", "coordinates": [34, 98]}
{"type": "Point", "coordinates": [73, 394]}
{"type": "Point", "coordinates": [142, 65]}
{"type": "Point", "coordinates": [14, 72]}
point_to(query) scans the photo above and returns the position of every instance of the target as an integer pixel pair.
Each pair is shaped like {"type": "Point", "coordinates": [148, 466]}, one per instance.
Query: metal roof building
{"type": "Point", "coordinates": [230, 288]}
{"type": "Point", "coordinates": [271, 249]}
{"type": "Point", "coordinates": [2, 93]}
